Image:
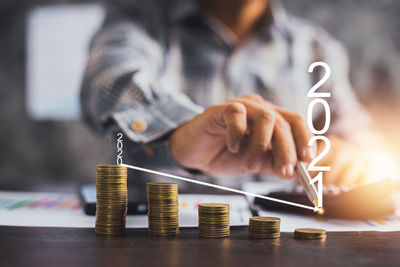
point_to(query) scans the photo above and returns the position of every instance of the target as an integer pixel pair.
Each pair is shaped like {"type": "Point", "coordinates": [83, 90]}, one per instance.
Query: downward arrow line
{"type": "Point", "coordinates": [315, 209]}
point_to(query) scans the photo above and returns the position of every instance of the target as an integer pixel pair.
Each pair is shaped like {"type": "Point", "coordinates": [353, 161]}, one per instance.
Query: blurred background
{"type": "Point", "coordinates": [43, 47]}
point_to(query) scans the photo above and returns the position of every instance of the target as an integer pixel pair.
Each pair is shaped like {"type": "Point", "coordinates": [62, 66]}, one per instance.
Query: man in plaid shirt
{"type": "Point", "coordinates": [214, 87]}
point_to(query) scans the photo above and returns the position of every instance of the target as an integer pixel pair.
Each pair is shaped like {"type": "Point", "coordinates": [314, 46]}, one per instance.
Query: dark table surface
{"type": "Point", "coordinates": [29, 246]}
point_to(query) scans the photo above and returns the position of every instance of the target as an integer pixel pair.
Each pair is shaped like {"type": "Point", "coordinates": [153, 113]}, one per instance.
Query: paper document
{"type": "Point", "coordinates": [64, 210]}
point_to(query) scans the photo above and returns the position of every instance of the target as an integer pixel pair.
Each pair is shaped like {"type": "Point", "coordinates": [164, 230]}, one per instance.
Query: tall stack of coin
{"type": "Point", "coordinates": [213, 220]}
{"type": "Point", "coordinates": [264, 227]}
{"type": "Point", "coordinates": [111, 205]}
{"type": "Point", "coordinates": [162, 204]}
{"type": "Point", "coordinates": [310, 233]}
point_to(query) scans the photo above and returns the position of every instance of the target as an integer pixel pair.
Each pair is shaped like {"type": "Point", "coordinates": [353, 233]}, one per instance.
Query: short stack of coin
{"type": "Point", "coordinates": [310, 233]}
{"type": "Point", "coordinates": [111, 204]}
{"type": "Point", "coordinates": [162, 204]}
{"type": "Point", "coordinates": [213, 220]}
{"type": "Point", "coordinates": [264, 227]}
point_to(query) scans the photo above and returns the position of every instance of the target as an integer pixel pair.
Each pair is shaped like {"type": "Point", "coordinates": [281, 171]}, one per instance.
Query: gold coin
{"type": "Point", "coordinates": [310, 233]}
{"type": "Point", "coordinates": [211, 207]}
{"type": "Point", "coordinates": [214, 235]}
{"type": "Point", "coordinates": [112, 199]}
{"type": "Point", "coordinates": [264, 227]}
{"type": "Point", "coordinates": [163, 206]}
{"type": "Point", "coordinates": [265, 236]}
{"type": "Point", "coordinates": [265, 220]}
{"type": "Point", "coordinates": [213, 220]}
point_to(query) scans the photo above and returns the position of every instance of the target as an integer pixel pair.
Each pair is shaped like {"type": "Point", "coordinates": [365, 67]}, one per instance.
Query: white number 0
{"type": "Point", "coordinates": [310, 116]}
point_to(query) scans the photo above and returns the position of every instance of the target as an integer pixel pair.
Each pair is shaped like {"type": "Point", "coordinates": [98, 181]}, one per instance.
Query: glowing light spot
{"type": "Point", "coordinates": [321, 211]}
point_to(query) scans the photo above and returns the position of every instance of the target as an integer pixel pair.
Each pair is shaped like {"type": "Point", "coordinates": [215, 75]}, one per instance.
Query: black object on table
{"type": "Point", "coordinates": [364, 202]}
{"type": "Point", "coordinates": [136, 200]}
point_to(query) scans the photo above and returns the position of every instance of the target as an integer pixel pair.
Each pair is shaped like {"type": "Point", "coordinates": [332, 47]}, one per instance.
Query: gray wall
{"type": "Point", "coordinates": [36, 152]}
{"type": "Point", "coordinates": [369, 29]}
{"type": "Point", "coordinates": [66, 152]}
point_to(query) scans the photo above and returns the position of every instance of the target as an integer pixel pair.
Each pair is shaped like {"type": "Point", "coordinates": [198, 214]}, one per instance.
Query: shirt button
{"type": "Point", "coordinates": [139, 126]}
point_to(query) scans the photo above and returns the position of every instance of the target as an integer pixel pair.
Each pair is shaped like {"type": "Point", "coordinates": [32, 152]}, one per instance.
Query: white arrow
{"type": "Point", "coordinates": [315, 209]}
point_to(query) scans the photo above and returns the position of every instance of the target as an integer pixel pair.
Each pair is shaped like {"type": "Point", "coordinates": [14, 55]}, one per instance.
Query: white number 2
{"type": "Point", "coordinates": [327, 74]}
{"type": "Point", "coordinates": [312, 166]}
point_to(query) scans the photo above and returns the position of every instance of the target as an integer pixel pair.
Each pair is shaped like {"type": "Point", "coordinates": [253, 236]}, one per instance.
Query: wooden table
{"type": "Point", "coordinates": [29, 246]}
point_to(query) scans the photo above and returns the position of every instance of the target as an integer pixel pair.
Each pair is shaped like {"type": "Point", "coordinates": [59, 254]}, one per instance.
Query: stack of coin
{"type": "Point", "coordinates": [162, 204]}
{"type": "Point", "coordinates": [112, 199]}
{"type": "Point", "coordinates": [310, 233]}
{"type": "Point", "coordinates": [213, 220]}
{"type": "Point", "coordinates": [264, 227]}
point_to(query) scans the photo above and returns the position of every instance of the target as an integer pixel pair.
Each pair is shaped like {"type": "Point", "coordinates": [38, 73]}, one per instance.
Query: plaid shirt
{"type": "Point", "coordinates": [159, 63]}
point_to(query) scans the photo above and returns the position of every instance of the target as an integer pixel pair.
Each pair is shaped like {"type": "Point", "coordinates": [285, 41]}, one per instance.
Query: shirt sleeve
{"type": "Point", "coordinates": [122, 91]}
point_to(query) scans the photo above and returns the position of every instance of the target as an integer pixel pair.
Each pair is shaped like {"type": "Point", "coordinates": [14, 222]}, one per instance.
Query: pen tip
{"type": "Point", "coordinates": [315, 202]}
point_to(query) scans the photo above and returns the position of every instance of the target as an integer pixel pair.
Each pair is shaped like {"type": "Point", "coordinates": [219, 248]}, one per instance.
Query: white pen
{"type": "Point", "coordinates": [305, 179]}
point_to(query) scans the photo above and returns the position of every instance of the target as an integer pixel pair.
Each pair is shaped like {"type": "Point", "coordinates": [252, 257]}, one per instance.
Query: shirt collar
{"type": "Point", "coordinates": [280, 19]}
{"type": "Point", "coordinates": [277, 19]}
{"type": "Point", "coordinates": [181, 9]}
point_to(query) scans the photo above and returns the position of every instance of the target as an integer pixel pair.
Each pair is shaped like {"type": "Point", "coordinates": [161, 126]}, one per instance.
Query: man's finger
{"type": "Point", "coordinates": [262, 122]}
{"type": "Point", "coordinates": [337, 159]}
{"type": "Point", "coordinates": [301, 134]}
{"type": "Point", "coordinates": [255, 97]}
{"type": "Point", "coordinates": [235, 119]}
{"type": "Point", "coordinates": [283, 148]}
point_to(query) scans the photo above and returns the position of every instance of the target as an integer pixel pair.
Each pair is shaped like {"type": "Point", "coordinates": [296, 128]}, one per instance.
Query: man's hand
{"type": "Point", "coordinates": [348, 165]}
{"type": "Point", "coordinates": [243, 135]}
